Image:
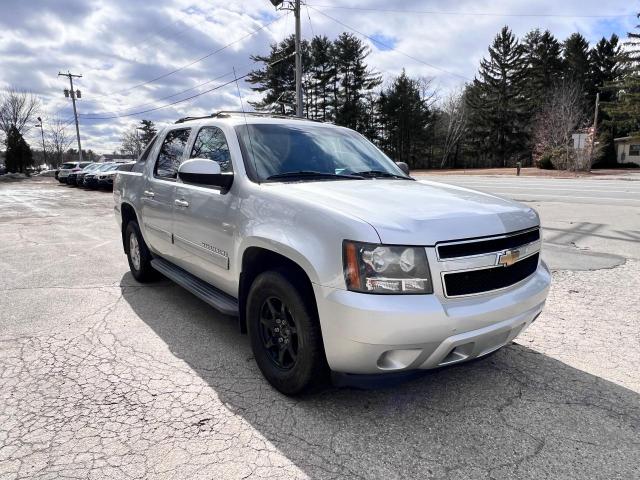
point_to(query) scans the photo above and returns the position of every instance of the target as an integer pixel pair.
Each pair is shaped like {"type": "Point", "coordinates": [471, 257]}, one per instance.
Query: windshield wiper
{"type": "Point", "coordinates": [311, 174]}
{"type": "Point", "coordinates": [381, 174]}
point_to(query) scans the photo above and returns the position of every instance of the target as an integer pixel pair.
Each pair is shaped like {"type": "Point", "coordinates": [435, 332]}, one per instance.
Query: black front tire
{"type": "Point", "coordinates": [309, 367]}
{"type": "Point", "coordinates": [138, 254]}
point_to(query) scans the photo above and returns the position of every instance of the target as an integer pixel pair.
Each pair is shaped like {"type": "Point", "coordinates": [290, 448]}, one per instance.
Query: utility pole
{"type": "Point", "coordinates": [296, 13]}
{"type": "Point", "coordinates": [73, 94]}
{"type": "Point", "coordinates": [295, 6]}
{"type": "Point", "coordinates": [44, 150]}
{"type": "Point", "coordinates": [595, 126]}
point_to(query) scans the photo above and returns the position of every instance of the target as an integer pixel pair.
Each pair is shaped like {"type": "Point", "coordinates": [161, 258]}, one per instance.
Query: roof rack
{"type": "Point", "coordinates": [228, 113]}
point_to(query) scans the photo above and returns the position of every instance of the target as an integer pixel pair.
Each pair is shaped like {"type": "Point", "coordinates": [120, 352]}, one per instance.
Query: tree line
{"type": "Point", "coordinates": [527, 99]}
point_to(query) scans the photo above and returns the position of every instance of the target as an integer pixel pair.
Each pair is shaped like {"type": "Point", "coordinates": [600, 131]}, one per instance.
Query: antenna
{"type": "Point", "coordinates": [246, 124]}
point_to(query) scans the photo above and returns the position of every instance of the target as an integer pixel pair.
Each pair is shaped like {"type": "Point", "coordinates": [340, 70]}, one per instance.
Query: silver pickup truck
{"type": "Point", "coordinates": [331, 256]}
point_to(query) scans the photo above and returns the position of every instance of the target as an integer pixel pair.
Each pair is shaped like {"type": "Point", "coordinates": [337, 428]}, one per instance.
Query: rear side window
{"type": "Point", "coordinates": [170, 154]}
{"type": "Point", "coordinates": [67, 166]}
{"type": "Point", "coordinates": [212, 144]}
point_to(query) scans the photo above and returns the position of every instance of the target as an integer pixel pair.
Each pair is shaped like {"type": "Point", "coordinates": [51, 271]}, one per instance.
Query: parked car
{"type": "Point", "coordinates": [328, 252]}
{"type": "Point", "coordinates": [81, 174]}
{"type": "Point", "coordinates": [105, 178]}
{"type": "Point", "coordinates": [91, 178]}
{"type": "Point", "coordinates": [69, 168]}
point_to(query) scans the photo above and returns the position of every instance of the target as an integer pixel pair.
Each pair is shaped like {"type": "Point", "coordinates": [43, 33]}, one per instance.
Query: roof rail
{"type": "Point", "coordinates": [228, 113]}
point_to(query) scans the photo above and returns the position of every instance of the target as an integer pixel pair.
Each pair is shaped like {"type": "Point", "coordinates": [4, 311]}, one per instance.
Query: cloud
{"type": "Point", "coordinates": [118, 44]}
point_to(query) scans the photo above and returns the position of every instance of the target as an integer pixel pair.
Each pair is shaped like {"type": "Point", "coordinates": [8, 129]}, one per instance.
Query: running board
{"type": "Point", "coordinates": [204, 291]}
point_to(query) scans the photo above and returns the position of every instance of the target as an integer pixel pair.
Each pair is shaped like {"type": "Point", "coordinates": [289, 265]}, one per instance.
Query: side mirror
{"type": "Point", "coordinates": [204, 172]}
{"type": "Point", "coordinates": [404, 167]}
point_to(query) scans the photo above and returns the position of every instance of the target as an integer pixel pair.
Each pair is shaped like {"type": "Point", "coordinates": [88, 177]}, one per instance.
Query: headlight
{"type": "Point", "coordinates": [391, 269]}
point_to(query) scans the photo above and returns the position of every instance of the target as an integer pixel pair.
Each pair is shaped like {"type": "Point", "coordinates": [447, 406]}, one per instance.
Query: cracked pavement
{"type": "Point", "coordinates": [101, 377]}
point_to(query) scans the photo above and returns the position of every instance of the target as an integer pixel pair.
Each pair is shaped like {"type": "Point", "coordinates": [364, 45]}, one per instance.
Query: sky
{"type": "Point", "coordinates": [136, 56]}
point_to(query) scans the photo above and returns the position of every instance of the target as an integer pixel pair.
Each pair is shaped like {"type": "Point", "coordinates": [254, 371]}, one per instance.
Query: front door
{"type": "Point", "coordinates": [159, 192]}
{"type": "Point", "coordinates": [204, 217]}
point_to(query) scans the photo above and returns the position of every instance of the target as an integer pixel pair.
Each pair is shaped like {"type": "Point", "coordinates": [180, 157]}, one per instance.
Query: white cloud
{"type": "Point", "coordinates": [120, 44]}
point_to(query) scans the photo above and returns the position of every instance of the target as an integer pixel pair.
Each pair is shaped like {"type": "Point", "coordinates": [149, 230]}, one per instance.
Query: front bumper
{"type": "Point", "coordinates": [365, 333]}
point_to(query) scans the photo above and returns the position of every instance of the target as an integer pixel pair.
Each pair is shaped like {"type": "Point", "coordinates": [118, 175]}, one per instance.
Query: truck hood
{"type": "Point", "coordinates": [419, 212]}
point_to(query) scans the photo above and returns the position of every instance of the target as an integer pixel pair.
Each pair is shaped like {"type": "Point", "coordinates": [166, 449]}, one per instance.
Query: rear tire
{"type": "Point", "coordinates": [138, 254]}
{"type": "Point", "coordinates": [285, 333]}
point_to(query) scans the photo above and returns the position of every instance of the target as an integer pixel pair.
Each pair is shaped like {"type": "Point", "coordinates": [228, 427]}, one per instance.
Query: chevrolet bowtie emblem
{"type": "Point", "coordinates": [508, 258]}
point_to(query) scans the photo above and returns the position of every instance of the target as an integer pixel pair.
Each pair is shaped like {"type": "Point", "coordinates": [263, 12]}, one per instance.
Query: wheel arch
{"type": "Point", "coordinates": [257, 259]}
{"type": "Point", "coordinates": [128, 213]}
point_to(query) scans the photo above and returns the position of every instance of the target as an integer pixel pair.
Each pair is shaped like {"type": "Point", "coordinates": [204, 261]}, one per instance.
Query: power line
{"type": "Point", "coordinates": [184, 99]}
{"type": "Point", "coordinates": [481, 14]}
{"type": "Point", "coordinates": [210, 54]}
{"type": "Point", "coordinates": [115, 112]}
{"type": "Point", "coordinates": [389, 47]}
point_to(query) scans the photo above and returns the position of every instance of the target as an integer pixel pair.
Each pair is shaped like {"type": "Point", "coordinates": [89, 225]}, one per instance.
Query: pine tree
{"type": "Point", "coordinates": [542, 56]}
{"type": "Point", "coordinates": [18, 154]}
{"type": "Point", "coordinates": [606, 70]}
{"type": "Point", "coordinates": [354, 79]}
{"type": "Point", "coordinates": [496, 101]}
{"type": "Point", "coordinates": [404, 116]}
{"type": "Point", "coordinates": [148, 130]}
{"type": "Point", "coordinates": [276, 80]}
{"type": "Point", "coordinates": [624, 109]}
{"type": "Point", "coordinates": [321, 71]}
{"type": "Point", "coordinates": [576, 66]}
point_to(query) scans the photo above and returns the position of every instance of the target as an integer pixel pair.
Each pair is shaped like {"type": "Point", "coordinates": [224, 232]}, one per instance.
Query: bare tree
{"type": "Point", "coordinates": [562, 114]}
{"type": "Point", "coordinates": [58, 139]}
{"type": "Point", "coordinates": [454, 115]}
{"type": "Point", "coordinates": [132, 144]}
{"type": "Point", "coordinates": [17, 108]}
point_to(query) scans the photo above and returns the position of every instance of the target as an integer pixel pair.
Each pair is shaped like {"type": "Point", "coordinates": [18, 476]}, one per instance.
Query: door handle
{"type": "Point", "coordinates": [148, 194]}
{"type": "Point", "coordinates": [181, 203]}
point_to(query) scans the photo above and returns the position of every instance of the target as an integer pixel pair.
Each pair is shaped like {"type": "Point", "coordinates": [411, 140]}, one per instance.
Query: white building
{"type": "Point", "coordinates": [627, 149]}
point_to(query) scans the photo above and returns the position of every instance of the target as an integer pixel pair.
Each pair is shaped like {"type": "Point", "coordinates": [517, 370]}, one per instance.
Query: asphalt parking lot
{"type": "Point", "coordinates": [101, 377]}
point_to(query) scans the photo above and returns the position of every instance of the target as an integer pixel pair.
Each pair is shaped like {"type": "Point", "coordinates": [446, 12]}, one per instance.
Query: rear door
{"type": "Point", "coordinates": [159, 189]}
{"type": "Point", "coordinates": [204, 217]}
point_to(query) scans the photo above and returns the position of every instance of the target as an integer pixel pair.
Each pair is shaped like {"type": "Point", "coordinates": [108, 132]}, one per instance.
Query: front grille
{"type": "Point", "coordinates": [487, 279]}
{"type": "Point", "coordinates": [478, 247]}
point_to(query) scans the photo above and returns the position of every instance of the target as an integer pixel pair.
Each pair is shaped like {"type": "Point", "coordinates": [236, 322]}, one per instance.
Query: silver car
{"type": "Point", "coordinates": [329, 254]}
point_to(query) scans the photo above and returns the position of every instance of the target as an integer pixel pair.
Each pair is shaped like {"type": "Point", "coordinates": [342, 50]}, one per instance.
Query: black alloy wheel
{"type": "Point", "coordinates": [279, 333]}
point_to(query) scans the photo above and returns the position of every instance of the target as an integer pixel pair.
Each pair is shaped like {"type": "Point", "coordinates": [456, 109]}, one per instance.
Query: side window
{"type": "Point", "coordinates": [170, 154]}
{"type": "Point", "coordinates": [212, 144]}
{"type": "Point", "coordinates": [142, 160]}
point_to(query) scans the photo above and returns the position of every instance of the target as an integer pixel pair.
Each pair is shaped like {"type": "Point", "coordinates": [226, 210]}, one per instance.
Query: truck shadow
{"type": "Point", "coordinates": [516, 414]}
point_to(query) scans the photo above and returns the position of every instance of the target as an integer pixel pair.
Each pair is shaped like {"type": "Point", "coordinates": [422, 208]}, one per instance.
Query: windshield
{"type": "Point", "coordinates": [67, 166]}
{"type": "Point", "coordinates": [272, 150]}
{"type": "Point", "coordinates": [93, 166]}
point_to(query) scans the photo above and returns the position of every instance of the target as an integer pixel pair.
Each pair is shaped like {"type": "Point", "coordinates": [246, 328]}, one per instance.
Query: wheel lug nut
{"type": "Point", "coordinates": [280, 340]}
{"type": "Point", "coordinates": [276, 329]}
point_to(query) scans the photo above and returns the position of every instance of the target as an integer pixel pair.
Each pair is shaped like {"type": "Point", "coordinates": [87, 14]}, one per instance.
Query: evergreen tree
{"type": "Point", "coordinates": [276, 79]}
{"type": "Point", "coordinates": [496, 101]}
{"type": "Point", "coordinates": [18, 155]}
{"type": "Point", "coordinates": [543, 61]}
{"type": "Point", "coordinates": [576, 65]}
{"type": "Point", "coordinates": [606, 70]}
{"type": "Point", "coordinates": [321, 72]}
{"type": "Point", "coordinates": [624, 109]}
{"type": "Point", "coordinates": [354, 79]}
{"type": "Point", "coordinates": [148, 130]}
{"type": "Point", "coordinates": [404, 116]}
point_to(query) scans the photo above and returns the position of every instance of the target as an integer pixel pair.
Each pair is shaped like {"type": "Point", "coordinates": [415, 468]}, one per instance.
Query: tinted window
{"type": "Point", "coordinates": [66, 166]}
{"type": "Point", "coordinates": [126, 167]}
{"type": "Point", "coordinates": [85, 164]}
{"type": "Point", "coordinates": [212, 144]}
{"type": "Point", "coordinates": [170, 153]}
